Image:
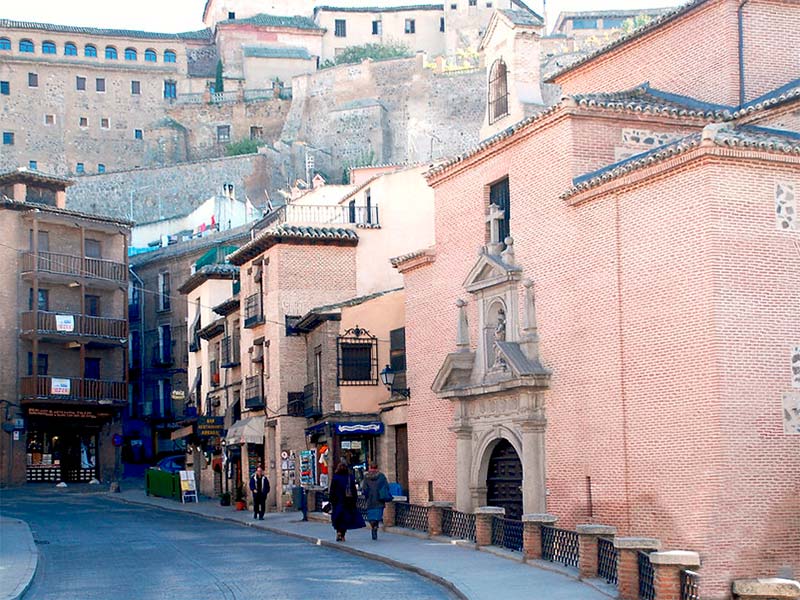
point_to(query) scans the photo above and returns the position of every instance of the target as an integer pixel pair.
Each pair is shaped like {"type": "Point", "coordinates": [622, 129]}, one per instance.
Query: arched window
{"type": "Point", "coordinates": [48, 48]}
{"type": "Point", "coordinates": [130, 54]}
{"type": "Point", "coordinates": [169, 56]}
{"type": "Point", "coordinates": [498, 91]}
{"type": "Point", "coordinates": [111, 53]}
{"type": "Point", "coordinates": [150, 55]}
{"type": "Point", "coordinates": [70, 49]}
{"type": "Point", "coordinates": [5, 43]}
{"type": "Point", "coordinates": [25, 46]}
{"type": "Point", "coordinates": [90, 50]}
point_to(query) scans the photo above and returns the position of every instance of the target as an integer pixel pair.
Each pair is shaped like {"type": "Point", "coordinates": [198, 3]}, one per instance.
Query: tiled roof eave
{"type": "Point", "coordinates": [322, 236]}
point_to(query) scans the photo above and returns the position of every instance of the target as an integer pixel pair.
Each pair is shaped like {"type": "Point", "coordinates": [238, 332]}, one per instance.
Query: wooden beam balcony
{"type": "Point", "coordinates": [56, 327]}
{"type": "Point", "coordinates": [54, 388]}
{"type": "Point", "coordinates": [56, 267]}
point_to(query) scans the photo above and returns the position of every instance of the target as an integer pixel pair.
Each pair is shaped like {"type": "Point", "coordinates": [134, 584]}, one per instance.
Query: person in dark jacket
{"type": "Point", "coordinates": [343, 497]}
{"type": "Point", "coordinates": [259, 485]}
{"type": "Point", "coordinates": [376, 491]}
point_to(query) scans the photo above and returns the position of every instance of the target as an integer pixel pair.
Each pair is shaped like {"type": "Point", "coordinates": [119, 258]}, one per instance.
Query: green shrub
{"type": "Point", "coordinates": [243, 146]}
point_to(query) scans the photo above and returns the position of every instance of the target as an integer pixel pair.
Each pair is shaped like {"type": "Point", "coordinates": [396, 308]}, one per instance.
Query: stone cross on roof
{"type": "Point", "coordinates": [496, 214]}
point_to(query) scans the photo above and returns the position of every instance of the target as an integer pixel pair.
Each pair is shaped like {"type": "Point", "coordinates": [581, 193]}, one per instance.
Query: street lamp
{"type": "Point", "coordinates": [387, 378]}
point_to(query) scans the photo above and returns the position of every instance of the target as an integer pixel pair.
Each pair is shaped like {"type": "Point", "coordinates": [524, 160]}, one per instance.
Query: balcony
{"type": "Point", "coordinates": [230, 352]}
{"type": "Point", "coordinates": [253, 311]}
{"type": "Point", "coordinates": [336, 214]}
{"type": "Point", "coordinates": [58, 326]}
{"type": "Point", "coordinates": [253, 392]}
{"type": "Point", "coordinates": [311, 404]}
{"type": "Point", "coordinates": [162, 356]}
{"type": "Point", "coordinates": [71, 388]}
{"type": "Point", "coordinates": [74, 267]}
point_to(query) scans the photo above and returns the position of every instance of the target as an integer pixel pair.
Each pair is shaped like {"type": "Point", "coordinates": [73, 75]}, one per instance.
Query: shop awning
{"type": "Point", "coordinates": [182, 432]}
{"type": "Point", "coordinates": [246, 431]}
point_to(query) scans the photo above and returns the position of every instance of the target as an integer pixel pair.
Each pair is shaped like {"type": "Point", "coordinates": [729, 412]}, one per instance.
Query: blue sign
{"type": "Point", "coordinates": [362, 428]}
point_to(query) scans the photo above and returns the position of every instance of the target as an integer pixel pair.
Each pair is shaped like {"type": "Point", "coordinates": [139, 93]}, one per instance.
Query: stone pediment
{"type": "Point", "coordinates": [490, 270]}
{"type": "Point", "coordinates": [455, 372]}
{"type": "Point", "coordinates": [519, 365]}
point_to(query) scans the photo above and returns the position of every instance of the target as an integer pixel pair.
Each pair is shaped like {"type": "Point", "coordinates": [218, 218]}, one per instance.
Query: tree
{"type": "Point", "coordinates": [356, 54]}
{"type": "Point", "coordinates": [629, 25]}
{"type": "Point", "coordinates": [218, 83]}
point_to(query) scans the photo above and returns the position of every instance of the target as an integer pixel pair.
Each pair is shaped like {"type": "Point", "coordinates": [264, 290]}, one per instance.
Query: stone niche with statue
{"type": "Point", "coordinates": [497, 385]}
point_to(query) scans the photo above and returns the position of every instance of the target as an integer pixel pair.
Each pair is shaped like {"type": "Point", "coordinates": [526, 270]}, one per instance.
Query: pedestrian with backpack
{"type": "Point", "coordinates": [376, 491]}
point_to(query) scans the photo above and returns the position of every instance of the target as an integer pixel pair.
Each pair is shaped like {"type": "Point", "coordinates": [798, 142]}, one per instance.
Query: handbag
{"type": "Point", "coordinates": [384, 495]}
{"type": "Point", "coordinates": [327, 507]}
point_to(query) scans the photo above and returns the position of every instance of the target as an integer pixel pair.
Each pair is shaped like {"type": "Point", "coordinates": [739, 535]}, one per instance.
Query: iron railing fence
{"type": "Point", "coordinates": [646, 576]}
{"type": "Point", "coordinates": [411, 516]}
{"type": "Point", "coordinates": [690, 585]}
{"type": "Point", "coordinates": [560, 545]}
{"type": "Point", "coordinates": [80, 325]}
{"type": "Point", "coordinates": [458, 524]}
{"type": "Point", "coordinates": [507, 533]}
{"type": "Point", "coordinates": [67, 264]}
{"type": "Point", "coordinates": [607, 560]}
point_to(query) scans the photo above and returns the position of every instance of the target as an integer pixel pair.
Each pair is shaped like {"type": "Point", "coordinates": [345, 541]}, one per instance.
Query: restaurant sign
{"type": "Point", "coordinates": [65, 323]}
{"type": "Point", "coordinates": [209, 427]}
{"type": "Point", "coordinates": [66, 413]}
{"type": "Point", "coordinates": [59, 387]}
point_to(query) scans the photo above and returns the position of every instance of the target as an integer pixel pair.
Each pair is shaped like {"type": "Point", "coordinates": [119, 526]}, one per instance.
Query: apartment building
{"type": "Point", "coordinates": [63, 336]}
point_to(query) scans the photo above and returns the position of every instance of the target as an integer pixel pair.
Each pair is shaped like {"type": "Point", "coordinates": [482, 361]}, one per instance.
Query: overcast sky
{"type": "Point", "coordinates": [186, 15]}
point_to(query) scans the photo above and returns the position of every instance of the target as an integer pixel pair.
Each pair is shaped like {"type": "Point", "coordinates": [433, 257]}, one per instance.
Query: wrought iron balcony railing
{"type": "Point", "coordinates": [74, 266]}
{"type": "Point", "coordinates": [253, 392]}
{"type": "Point", "coordinates": [72, 388]}
{"type": "Point", "coordinates": [230, 351]}
{"type": "Point", "coordinates": [253, 310]}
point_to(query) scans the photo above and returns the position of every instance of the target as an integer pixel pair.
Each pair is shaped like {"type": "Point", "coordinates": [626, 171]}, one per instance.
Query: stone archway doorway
{"type": "Point", "coordinates": [504, 480]}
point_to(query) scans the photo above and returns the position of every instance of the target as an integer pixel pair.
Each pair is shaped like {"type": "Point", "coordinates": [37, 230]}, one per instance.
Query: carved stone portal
{"type": "Point", "coordinates": [497, 387]}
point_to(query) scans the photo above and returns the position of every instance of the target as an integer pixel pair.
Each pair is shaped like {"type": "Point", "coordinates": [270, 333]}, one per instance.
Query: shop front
{"type": "Point", "coordinates": [68, 444]}
{"type": "Point", "coordinates": [244, 452]}
{"type": "Point", "coordinates": [352, 442]}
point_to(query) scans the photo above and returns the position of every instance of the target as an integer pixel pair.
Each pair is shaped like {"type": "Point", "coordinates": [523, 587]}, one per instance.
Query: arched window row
{"type": "Point", "coordinates": [89, 50]}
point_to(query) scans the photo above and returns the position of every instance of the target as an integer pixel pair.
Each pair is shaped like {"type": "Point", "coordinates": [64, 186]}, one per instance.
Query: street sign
{"type": "Point", "coordinates": [178, 395]}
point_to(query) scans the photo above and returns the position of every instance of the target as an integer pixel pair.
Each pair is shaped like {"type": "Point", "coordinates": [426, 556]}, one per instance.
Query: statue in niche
{"type": "Point", "coordinates": [499, 336]}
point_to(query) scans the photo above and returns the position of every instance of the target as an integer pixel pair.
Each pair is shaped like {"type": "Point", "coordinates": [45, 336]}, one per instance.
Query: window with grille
{"type": "Point", "coordinates": [224, 133]}
{"type": "Point", "coordinates": [500, 196]}
{"type": "Point", "coordinates": [340, 28]}
{"type": "Point", "coordinates": [357, 358]}
{"type": "Point", "coordinates": [163, 291]}
{"type": "Point", "coordinates": [498, 91]}
{"type": "Point", "coordinates": [136, 88]}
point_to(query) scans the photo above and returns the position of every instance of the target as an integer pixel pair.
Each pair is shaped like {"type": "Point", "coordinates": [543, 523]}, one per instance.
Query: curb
{"type": "Point", "coordinates": [31, 567]}
{"type": "Point", "coordinates": [448, 585]}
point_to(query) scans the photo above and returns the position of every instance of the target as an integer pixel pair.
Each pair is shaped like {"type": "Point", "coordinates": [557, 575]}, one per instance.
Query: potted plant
{"type": "Point", "coordinates": [240, 501]}
{"type": "Point", "coordinates": [225, 499]}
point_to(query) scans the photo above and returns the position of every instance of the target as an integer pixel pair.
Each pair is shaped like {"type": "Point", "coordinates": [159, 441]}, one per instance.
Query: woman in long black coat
{"type": "Point", "coordinates": [343, 497]}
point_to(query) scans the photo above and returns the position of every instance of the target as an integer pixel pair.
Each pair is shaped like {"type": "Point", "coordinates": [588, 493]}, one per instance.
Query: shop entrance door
{"type": "Point", "coordinates": [504, 481]}
{"type": "Point", "coordinates": [401, 455]}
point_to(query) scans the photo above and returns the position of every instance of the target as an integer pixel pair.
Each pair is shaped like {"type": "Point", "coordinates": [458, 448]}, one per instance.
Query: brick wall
{"type": "Point", "coordinates": [697, 54]}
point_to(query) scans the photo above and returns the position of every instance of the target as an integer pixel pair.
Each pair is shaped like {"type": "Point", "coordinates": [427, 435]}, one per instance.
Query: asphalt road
{"type": "Point", "coordinates": [94, 548]}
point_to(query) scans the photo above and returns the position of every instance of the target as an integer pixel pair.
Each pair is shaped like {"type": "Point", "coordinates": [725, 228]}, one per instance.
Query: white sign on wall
{"type": "Point", "coordinates": [791, 413]}
{"type": "Point", "coordinates": [59, 387]}
{"type": "Point", "coordinates": [796, 367]}
{"type": "Point", "coordinates": [65, 323]}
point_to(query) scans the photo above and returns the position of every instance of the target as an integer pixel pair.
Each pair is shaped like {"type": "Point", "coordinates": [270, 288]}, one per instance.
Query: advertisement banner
{"type": "Point", "coordinates": [60, 387]}
{"type": "Point", "coordinates": [65, 323]}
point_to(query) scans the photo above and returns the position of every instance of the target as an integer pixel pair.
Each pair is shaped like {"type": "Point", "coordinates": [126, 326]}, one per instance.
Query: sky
{"type": "Point", "coordinates": [186, 15]}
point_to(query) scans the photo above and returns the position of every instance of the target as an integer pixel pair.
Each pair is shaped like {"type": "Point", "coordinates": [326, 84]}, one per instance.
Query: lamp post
{"type": "Point", "coordinates": [387, 378]}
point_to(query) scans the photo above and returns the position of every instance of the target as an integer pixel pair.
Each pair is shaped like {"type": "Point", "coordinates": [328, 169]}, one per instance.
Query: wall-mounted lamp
{"type": "Point", "coordinates": [387, 378]}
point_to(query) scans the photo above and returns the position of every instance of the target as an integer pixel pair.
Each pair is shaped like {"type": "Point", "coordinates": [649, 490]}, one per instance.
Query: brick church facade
{"type": "Point", "coordinates": [631, 346]}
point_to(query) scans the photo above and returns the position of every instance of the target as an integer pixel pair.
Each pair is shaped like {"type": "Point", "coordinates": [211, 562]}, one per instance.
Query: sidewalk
{"type": "Point", "coordinates": [466, 572]}
{"type": "Point", "coordinates": [18, 558]}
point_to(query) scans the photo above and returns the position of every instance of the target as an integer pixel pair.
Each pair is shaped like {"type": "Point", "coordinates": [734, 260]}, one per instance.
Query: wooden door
{"type": "Point", "coordinates": [401, 455]}
{"type": "Point", "coordinates": [504, 481]}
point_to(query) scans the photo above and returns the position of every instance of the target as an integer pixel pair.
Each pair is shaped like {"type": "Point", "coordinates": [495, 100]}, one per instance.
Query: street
{"type": "Point", "coordinates": [92, 547]}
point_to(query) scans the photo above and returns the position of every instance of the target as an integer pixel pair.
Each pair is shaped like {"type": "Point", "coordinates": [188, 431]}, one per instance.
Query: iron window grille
{"type": "Point", "coordinates": [357, 358]}
{"type": "Point", "coordinates": [253, 313]}
{"type": "Point", "coordinates": [498, 91]}
{"type": "Point", "coordinates": [253, 396]}
{"type": "Point", "coordinates": [340, 28]}
{"type": "Point", "coordinates": [312, 404]}
{"type": "Point", "coordinates": [295, 407]}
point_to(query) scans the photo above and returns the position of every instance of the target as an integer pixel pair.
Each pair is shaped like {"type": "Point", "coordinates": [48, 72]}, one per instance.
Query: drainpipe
{"type": "Point", "coordinates": [740, 15]}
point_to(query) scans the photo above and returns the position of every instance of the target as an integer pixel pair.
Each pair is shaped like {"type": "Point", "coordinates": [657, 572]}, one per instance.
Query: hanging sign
{"type": "Point", "coordinates": [65, 323]}
{"type": "Point", "coordinates": [60, 387]}
{"type": "Point", "coordinates": [208, 427]}
{"type": "Point", "coordinates": [368, 427]}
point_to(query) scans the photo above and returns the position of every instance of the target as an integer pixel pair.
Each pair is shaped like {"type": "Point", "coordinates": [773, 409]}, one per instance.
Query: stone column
{"type": "Point", "coordinates": [389, 511]}
{"type": "Point", "coordinates": [587, 547]}
{"type": "Point", "coordinates": [628, 566]}
{"type": "Point", "coordinates": [483, 523]}
{"type": "Point", "coordinates": [532, 534]}
{"type": "Point", "coordinates": [534, 485]}
{"type": "Point", "coordinates": [463, 467]}
{"type": "Point", "coordinates": [761, 589]}
{"type": "Point", "coordinates": [435, 510]}
{"type": "Point", "coordinates": [668, 567]}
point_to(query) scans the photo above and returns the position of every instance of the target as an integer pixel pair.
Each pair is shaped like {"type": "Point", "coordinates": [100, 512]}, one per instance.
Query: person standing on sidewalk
{"type": "Point", "coordinates": [376, 491]}
{"type": "Point", "coordinates": [259, 485]}
{"type": "Point", "coordinates": [343, 498]}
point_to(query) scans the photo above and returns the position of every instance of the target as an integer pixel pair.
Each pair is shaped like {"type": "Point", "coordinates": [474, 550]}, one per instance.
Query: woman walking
{"type": "Point", "coordinates": [376, 491]}
{"type": "Point", "coordinates": [343, 499]}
